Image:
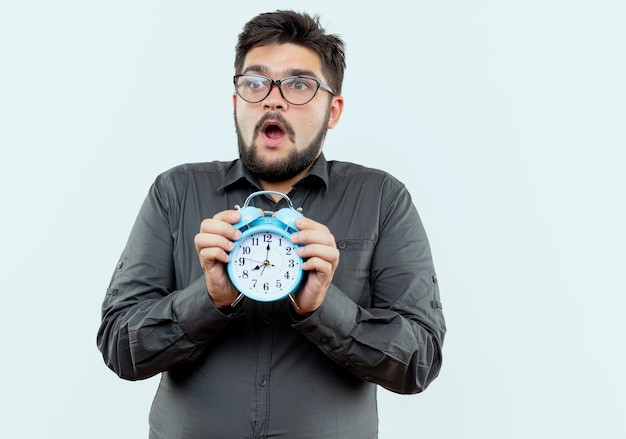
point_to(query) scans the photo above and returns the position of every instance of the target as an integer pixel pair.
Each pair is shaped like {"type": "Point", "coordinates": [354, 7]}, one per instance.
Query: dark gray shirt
{"type": "Point", "coordinates": [258, 371]}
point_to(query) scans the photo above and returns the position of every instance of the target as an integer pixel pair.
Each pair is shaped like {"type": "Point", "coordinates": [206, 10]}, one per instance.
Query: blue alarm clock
{"type": "Point", "coordinates": [264, 264]}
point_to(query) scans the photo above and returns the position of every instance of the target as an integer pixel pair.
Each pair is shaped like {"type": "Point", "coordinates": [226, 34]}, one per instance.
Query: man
{"type": "Point", "coordinates": [368, 312]}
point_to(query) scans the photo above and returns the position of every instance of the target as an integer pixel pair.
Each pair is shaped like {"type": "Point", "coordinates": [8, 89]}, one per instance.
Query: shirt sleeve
{"type": "Point", "coordinates": [395, 342]}
{"type": "Point", "coordinates": [148, 325]}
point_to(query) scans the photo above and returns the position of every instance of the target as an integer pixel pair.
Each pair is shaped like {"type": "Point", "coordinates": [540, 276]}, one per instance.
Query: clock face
{"type": "Point", "coordinates": [264, 265]}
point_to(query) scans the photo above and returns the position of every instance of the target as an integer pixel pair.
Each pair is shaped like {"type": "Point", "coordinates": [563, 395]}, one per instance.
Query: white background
{"type": "Point", "coordinates": [506, 120]}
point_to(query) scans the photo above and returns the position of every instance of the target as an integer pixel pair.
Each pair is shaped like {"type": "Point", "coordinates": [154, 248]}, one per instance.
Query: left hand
{"type": "Point", "coordinates": [321, 260]}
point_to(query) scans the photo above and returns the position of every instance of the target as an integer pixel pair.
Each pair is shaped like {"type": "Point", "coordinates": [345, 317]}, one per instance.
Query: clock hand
{"type": "Point", "coordinates": [257, 261]}
{"type": "Point", "coordinates": [260, 264]}
{"type": "Point", "coordinates": [267, 263]}
{"type": "Point", "coordinates": [268, 252]}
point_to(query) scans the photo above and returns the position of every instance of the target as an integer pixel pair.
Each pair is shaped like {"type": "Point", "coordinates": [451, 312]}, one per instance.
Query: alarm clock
{"type": "Point", "coordinates": [264, 264]}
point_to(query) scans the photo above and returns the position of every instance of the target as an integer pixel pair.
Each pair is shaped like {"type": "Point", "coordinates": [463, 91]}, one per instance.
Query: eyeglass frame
{"type": "Point", "coordinates": [278, 82]}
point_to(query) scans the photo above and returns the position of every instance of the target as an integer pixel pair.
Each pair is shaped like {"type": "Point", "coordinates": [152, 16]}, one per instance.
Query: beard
{"type": "Point", "coordinates": [298, 160]}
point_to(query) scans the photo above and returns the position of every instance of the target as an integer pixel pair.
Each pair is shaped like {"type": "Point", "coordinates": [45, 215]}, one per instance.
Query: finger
{"type": "Point", "coordinates": [319, 258]}
{"type": "Point", "coordinates": [304, 223]}
{"type": "Point", "coordinates": [326, 252]}
{"type": "Point", "coordinates": [209, 256]}
{"type": "Point", "coordinates": [211, 246]}
{"type": "Point", "coordinates": [213, 226]}
{"type": "Point", "coordinates": [228, 216]}
{"type": "Point", "coordinates": [310, 237]}
{"type": "Point", "coordinates": [318, 265]}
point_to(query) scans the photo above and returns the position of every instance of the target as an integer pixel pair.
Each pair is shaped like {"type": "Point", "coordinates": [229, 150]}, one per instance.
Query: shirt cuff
{"type": "Point", "coordinates": [332, 322]}
{"type": "Point", "coordinates": [197, 315]}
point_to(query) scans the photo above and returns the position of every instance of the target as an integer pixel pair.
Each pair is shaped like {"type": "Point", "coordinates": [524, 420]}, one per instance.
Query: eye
{"type": "Point", "coordinates": [255, 83]}
{"type": "Point", "coordinates": [300, 84]}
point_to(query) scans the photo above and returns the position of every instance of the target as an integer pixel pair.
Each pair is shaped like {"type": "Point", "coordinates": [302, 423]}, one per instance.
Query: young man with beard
{"type": "Point", "coordinates": [368, 312]}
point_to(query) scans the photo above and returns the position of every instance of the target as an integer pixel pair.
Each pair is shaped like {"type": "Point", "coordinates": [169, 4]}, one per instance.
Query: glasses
{"type": "Point", "coordinates": [297, 90]}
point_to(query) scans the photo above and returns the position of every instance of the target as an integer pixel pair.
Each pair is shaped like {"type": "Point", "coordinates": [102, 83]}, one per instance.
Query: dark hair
{"type": "Point", "coordinates": [297, 28]}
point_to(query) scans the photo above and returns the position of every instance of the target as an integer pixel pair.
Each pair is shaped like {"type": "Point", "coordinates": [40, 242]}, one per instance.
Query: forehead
{"type": "Point", "coordinates": [279, 60]}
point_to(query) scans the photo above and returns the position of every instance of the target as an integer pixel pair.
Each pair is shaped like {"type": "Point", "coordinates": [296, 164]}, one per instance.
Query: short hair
{"type": "Point", "coordinates": [283, 26]}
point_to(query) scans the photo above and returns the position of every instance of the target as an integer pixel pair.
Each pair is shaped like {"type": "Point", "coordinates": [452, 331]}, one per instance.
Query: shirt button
{"type": "Point", "coordinates": [262, 381]}
{"type": "Point", "coordinates": [323, 341]}
{"type": "Point", "coordinates": [347, 364]}
{"type": "Point", "coordinates": [267, 320]}
{"type": "Point", "coordinates": [120, 265]}
{"type": "Point", "coordinates": [342, 245]}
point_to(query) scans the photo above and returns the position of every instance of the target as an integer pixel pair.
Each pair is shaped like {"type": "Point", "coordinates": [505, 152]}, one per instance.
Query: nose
{"type": "Point", "coordinates": [275, 99]}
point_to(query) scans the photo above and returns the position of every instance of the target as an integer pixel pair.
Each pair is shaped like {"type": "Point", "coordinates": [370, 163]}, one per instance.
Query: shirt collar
{"type": "Point", "coordinates": [318, 175]}
{"type": "Point", "coordinates": [238, 175]}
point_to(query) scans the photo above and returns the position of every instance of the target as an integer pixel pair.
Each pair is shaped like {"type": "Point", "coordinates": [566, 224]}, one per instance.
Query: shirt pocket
{"type": "Point", "coordinates": [353, 273]}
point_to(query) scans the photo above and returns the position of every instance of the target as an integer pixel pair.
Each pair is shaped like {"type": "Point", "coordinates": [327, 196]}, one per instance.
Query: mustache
{"type": "Point", "coordinates": [274, 116]}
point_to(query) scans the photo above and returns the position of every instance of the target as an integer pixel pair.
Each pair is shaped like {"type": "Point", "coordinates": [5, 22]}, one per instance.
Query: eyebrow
{"type": "Point", "coordinates": [264, 70]}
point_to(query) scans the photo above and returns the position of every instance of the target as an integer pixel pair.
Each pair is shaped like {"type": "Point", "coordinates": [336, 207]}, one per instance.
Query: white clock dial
{"type": "Point", "coordinates": [264, 264]}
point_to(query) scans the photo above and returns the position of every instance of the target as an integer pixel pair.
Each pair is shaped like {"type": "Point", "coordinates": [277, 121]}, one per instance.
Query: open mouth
{"type": "Point", "coordinates": [273, 131]}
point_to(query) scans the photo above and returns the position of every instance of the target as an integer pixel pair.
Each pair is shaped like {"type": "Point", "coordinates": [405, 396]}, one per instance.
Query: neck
{"type": "Point", "coordinates": [284, 187]}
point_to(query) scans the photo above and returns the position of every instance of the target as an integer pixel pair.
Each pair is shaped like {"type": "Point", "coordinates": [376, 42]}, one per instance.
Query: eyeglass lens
{"type": "Point", "coordinates": [296, 90]}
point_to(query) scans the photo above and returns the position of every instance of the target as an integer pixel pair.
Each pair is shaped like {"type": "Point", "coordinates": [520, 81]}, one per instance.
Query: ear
{"type": "Point", "coordinates": [234, 100]}
{"type": "Point", "coordinates": [336, 108]}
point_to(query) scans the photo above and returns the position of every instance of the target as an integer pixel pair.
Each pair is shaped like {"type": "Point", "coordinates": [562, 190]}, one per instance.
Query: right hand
{"type": "Point", "coordinates": [213, 243]}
